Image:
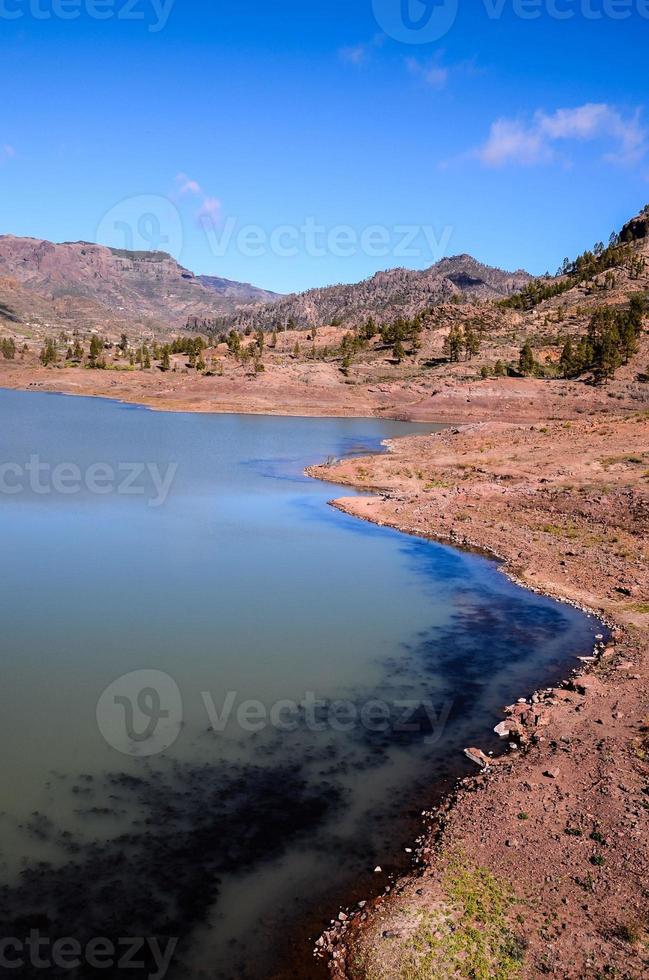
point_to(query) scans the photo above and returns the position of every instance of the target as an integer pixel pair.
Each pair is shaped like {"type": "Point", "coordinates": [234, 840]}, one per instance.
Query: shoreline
{"type": "Point", "coordinates": [322, 392]}
{"type": "Point", "coordinates": [360, 936]}
{"type": "Point", "coordinates": [578, 517]}
{"type": "Point", "coordinates": [265, 413]}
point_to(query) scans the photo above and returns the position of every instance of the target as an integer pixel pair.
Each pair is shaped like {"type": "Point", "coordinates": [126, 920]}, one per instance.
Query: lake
{"type": "Point", "coordinates": [223, 702]}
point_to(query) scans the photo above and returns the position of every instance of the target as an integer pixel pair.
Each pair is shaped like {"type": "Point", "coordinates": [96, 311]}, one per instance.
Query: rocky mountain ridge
{"type": "Point", "coordinates": [87, 285]}
{"type": "Point", "coordinates": [385, 295]}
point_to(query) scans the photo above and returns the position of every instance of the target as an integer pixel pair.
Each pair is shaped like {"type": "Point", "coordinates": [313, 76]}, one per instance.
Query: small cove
{"type": "Point", "coordinates": [345, 666]}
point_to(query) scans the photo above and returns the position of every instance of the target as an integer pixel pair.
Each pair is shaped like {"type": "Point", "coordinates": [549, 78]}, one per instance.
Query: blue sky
{"type": "Point", "coordinates": [299, 144]}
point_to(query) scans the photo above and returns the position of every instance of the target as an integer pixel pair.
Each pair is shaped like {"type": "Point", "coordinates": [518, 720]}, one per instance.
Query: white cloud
{"type": "Point", "coordinates": [210, 210]}
{"type": "Point", "coordinates": [359, 54]}
{"type": "Point", "coordinates": [186, 185]}
{"type": "Point", "coordinates": [434, 75]}
{"type": "Point", "coordinates": [598, 120]}
{"type": "Point", "coordinates": [513, 141]}
{"type": "Point", "coordinates": [356, 55]}
{"type": "Point", "coordinates": [7, 152]}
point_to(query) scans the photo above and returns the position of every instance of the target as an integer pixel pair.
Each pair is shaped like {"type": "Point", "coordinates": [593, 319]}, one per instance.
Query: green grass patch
{"type": "Point", "coordinates": [469, 936]}
{"type": "Point", "coordinates": [640, 607]}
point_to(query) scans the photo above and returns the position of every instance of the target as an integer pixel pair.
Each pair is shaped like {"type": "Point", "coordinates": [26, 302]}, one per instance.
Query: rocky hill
{"type": "Point", "coordinates": [396, 292]}
{"type": "Point", "coordinates": [237, 293]}
{"type": "Point", "coordinates": [79, 284]}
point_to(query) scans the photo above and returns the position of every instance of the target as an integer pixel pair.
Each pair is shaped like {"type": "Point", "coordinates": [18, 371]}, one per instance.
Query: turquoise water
{"type": "Point", "coordinates": [285, 678]}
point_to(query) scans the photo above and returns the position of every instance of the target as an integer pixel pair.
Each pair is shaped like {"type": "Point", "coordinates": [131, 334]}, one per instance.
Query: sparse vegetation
{"type": "Point", "coordinates": [571, 274]}
{"type": "Point", "coordinates": [49, 354]}
{"type": "Point", "coordinates": [8, 348]}
{"type": "Point", "coordinates": [470, 935]}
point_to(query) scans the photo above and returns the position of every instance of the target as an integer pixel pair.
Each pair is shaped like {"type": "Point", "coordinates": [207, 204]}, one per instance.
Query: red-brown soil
{"type": "Point", "coordinates": [564, 818]}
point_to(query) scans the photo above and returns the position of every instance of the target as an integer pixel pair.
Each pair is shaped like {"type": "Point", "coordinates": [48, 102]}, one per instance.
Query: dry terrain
{"type": "Point", "coordinates": [539, 865]}
{"type": "Point", "coordinates": [79, 286]}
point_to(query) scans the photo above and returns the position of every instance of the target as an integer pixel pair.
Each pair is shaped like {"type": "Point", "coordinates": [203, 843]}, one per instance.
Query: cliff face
{"type": "Point", "coordinates": [638, 228]}
{"type": "Point", "coordinates": [124, 288]}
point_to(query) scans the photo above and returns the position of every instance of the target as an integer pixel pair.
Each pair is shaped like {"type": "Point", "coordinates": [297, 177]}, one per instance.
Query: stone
{"type": "Point", "coordinates": [478, 756]}
{"type": "Point", "coordinates": [506, 728]}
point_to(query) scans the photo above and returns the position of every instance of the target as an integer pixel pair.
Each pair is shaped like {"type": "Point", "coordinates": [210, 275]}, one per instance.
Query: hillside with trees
{"type": "Point", "coordinates": [396, 292]}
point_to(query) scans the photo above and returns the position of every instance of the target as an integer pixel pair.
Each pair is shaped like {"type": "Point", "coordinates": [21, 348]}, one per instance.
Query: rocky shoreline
{"type": "Point", "coordinates": [574, 784]}
{"type": "Point", "coordinates": [563, 505]}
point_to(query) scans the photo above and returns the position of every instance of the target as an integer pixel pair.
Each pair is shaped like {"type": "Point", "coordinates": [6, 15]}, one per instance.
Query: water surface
{"type": "Point", "coordinates": [380, 655]}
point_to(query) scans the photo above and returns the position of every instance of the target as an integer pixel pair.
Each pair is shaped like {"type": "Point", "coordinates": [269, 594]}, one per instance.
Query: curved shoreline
{"type": "Point", "coordinates": [360, 936]}
{"type": "Point", "coordinates": [464, 467]}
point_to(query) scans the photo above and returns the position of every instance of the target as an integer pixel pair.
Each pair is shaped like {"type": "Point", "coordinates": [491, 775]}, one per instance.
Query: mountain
{"type": "Point", "coordinates": [80, 284]}
{"type": "Point", "coordinates": [397, 292]}
{"type": "Point", "coordinates": [237, 293]}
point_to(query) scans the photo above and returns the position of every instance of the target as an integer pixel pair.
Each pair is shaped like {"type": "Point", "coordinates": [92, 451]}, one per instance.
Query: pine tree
{"type": "Point", "coordinates": [48, 353]}
{"type": "Point", "coordinates": [568, 360]}
{"type": "Point", "coordinates": [526, 359]}
{"type": "Point", "coordinates": [8, 347]}
{"type": "Point", "coordinates": [369, 330]}
{"type": "Point", "coordinates": [234, 342]}
{"type": "Point", "coordinates": [606, 345]}
{"type": "Point", "coordinates": [454, 343]}
{"type": "Point", "coordinates": [96, 348]}
{"type": "Point", "coordinates": [471, 342]}
{"type": "Point", "coordinates": [628, 338]}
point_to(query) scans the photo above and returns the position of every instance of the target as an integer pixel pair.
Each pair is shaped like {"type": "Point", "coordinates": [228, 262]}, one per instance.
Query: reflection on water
{"type": "Point", "coordinates": [328, 672]}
